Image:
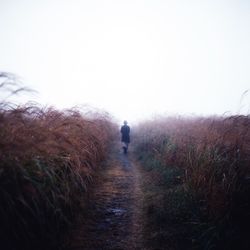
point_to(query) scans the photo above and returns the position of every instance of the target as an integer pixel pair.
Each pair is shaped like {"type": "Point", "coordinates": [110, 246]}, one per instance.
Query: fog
{"type": "Point", "coordinates": [133, 59]}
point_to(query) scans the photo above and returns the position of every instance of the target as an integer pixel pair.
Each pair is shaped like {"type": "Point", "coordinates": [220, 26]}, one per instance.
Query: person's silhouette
{"type": "Point", "coordinates": [125, 130]}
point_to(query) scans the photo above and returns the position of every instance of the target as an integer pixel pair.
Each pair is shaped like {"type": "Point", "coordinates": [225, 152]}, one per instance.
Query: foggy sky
{"type": "Point", "coordinates": [131, 58]}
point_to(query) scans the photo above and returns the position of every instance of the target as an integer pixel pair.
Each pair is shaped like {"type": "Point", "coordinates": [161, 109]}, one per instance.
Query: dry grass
{"type": "Point", "coordinates": [214, 155]}
{"type": "Point", "coordinates": [47, 158]}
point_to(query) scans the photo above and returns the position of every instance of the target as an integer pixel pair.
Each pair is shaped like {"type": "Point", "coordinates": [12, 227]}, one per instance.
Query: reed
{"type": "Point", "coordinates": [47, 161]}
{"type": "Point", "coordinates": [213, 155]}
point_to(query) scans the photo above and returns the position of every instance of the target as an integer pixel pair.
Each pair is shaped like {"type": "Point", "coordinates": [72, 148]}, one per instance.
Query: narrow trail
{"type": "Point", "coordinates": [113, 217]}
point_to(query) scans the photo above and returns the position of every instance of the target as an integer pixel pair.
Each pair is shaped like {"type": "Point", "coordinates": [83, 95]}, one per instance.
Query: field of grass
{"type": "Point", "coordinates": [196, 183]}
{"type": "Point", "coordinates": [197, 189]}
{"type": "Point", "coordinates": [47, 160]}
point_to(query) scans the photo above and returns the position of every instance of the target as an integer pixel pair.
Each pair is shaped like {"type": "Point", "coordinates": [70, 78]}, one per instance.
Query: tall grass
{"type": "Point", "coordinates": [47, 160]}
{"type": "Point", "coordinates": [213, 155]}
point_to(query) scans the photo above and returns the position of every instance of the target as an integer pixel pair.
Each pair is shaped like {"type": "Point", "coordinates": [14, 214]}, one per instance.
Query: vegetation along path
{"type": "Point", "coordinates": [113, 215]}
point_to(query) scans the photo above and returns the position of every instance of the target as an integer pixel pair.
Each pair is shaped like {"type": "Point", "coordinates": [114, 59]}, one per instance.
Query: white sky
{"type": "Point", "coordinates": [131, 58]}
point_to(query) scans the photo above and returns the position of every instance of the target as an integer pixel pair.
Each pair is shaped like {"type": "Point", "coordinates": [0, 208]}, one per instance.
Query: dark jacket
{"type": "Point", "coordinates": [125, 130]}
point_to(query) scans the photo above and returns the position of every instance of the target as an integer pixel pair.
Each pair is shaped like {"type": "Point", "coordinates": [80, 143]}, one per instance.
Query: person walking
{"type": "Point", "coordinates": [125, 130]}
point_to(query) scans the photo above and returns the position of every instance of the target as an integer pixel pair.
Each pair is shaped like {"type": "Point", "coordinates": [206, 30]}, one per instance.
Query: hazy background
{"type": "Point", "coordinates": [132, 58]}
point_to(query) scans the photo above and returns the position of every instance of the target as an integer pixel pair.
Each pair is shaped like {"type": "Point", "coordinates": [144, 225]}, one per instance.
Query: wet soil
{"type": "Point", "coordinates": [112, 219]}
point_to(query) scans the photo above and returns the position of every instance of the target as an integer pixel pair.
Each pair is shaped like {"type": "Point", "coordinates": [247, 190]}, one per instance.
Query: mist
{"type": "Point", "coordinates": [134, 59]}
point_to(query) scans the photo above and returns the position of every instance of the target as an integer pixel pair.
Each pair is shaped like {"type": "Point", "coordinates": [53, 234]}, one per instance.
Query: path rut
{"type": "Point", "coordinates": [113, 217]}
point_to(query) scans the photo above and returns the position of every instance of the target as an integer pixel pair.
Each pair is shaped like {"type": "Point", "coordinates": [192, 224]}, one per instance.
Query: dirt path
{"type": "Point", "coordinates": [113, 217]}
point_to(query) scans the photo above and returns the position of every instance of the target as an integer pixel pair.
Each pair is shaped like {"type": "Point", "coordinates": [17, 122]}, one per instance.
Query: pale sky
{"type": "Point", "coordinates": [132, 58]}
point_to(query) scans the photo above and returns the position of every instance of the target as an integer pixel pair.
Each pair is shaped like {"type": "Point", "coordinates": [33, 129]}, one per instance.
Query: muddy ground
{"type": "Point", "coordinates": [113, 218]}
